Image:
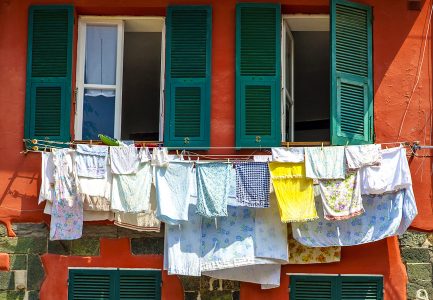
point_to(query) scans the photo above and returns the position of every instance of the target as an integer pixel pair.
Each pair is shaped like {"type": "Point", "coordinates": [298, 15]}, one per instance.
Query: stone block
{"type": "Point", "coordinates": [35, 272]}
{"type": "Point", "coordinates": [413, 287]}
{"type": "Point", "coordinates": [30, 229]}
{"type": "Point", "coordinates": [129, 233]}
{"type": "Point", "coordinates": [419, 271]}
{"type": "Point", "coordinates": [190, 283]}
{"type": "Point", "coordinates": [191, 296]}
{"type": "Point", "coordinates": [229, 285]}
{"type": "Point", "coordinates": [3, 230]}
{"type": "Point", "coordinates": [33, 295]}
{"type": "Point", "coordinates": [412, 239]}
{"type": "Point", "coordinates": [216, 295]}
{"type": "Point", "coordinates": [60, 247]}
{"type": "Point", "coordinates": [23, 245]}
{"type": "Point", "coordinates": [7, 281]}
{"type": "Point", "coordinates": [236, 295]}
{"type": "Point", "coordinates": [145, 246]}
{"type": "Point", "coordinates": [13, 295]}
{"type": "Point", "coordinates": [415, 255]}
{"type": "Point", "coordinates": [85, 247]}
{"type": "Point", "coordinates": [99, 231]}
{"type": "Point", "coordinates": [18, 261]}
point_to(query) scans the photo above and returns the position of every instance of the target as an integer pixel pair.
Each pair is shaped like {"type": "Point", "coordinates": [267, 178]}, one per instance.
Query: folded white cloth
{"type": "Point", "coordinates": [358, 156]}
{"type": "Point", "coordinates": [292, 155]}
{"type": "Point", "coordinates": [173, 191]}
{"type": "Point", "coordinates": [91, 161]}
{"type": "Point", "coordinates": [131, 193]}
{"type": "Point", "coordinates": [393, 174]}
{"type": "Point", "coordinates": [47, 178]}
{"type": "Point", "coordinates": [124, 159]}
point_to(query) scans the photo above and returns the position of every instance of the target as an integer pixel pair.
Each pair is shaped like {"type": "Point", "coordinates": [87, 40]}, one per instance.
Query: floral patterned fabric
{"type": "Point", "coordinates": [385, 215]}
{"type": "Point", "coordinates": [294, 192]}
{"type": "Point", "coordinates": [213, 184]}
{"type": "Point", "coordinates": [67, 207]}
{"type": "Point", "coordinates": [300, 254]}
{"type": "Point", "coordinates": [341, 199]}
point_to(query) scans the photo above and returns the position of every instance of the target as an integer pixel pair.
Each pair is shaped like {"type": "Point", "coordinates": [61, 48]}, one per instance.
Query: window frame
{"type": "Point", "coordinates": [80, 86]}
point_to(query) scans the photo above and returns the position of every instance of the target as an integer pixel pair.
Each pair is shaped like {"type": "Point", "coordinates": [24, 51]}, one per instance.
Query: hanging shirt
{"type": "Point", "coordinates": [385, 215]}
{"type": "Point", "coordinates": [393, 173]}
{"type": "Point", "coordinates": [252, 184]}
{"type": "Point", "coordinates": [212, 189]}
{"type": "Point", "coordinates": [293, 155]}
{"type": "Point", "coordinates": [358, 156]}
{"type": "Point", "coordinates": [294, 192]}
{"type": "Point", "coordinates": [341, 199]}
{"type": "Point", "coordinates": [173, 185]}
{"type": "Point", "coordinates": [67, 207]}
{"type": "Point", "coordinates": [325, 162]}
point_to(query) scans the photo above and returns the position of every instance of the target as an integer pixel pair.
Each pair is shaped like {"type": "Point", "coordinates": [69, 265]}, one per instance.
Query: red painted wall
{"type": "Point", "coordinates": [402, 86]}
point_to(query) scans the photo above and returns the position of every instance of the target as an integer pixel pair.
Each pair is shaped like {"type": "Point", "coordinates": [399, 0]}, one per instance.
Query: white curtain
{"type": "Point", "coordinates": [101, 54]}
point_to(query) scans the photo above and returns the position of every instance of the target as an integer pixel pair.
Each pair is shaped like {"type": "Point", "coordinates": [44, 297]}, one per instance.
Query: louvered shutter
{"type": "Point", "coordinates": [361, 287]}
{"type": "Point", "coordinates": [48, 85]}
{"type": "Point", "coordinates": [188, 69]}
{"type": "Point", "coordinates": [85, 284]}
{"type": "Point", "coordinates": [139, 284]}
{"type": "Point", "coordinates": [313, 287]}
{"type": "Point", "coordinates": [258, 34]}
{"type": "Point", "coordinates": [351, 73]}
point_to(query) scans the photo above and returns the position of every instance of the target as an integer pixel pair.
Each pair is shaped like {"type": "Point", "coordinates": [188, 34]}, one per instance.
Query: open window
{"type": "Point", "coordinates": [120, 78]}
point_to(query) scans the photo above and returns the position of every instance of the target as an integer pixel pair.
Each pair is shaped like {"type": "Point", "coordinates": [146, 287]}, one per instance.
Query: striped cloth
{"type": "Point", "coordinates": [252, 184]}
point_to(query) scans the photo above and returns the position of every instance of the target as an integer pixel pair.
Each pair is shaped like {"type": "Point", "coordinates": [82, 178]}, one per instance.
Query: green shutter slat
{"type": "Point", "coordinates": [312, 287]}
{"type": "Point", "coordinates": [187, 92]}
{"type": "Point", "coordinates": [351, 73]}
{"type": "Point", "coordinates": [139, 284]}
{"type": "Point", "coordinates": [48, 85]}
{"type": "Point", "coordinates": [361, 288]}
{"type": "Point", "coordinates": [91, 285]}
{"type": "Point", "coordinates": [258, 28]}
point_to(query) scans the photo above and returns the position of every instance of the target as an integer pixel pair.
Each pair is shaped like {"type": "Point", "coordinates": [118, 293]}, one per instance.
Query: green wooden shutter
{"type": "Point", "coordinates": [48, 85]}
{"type": "Point", "coordinates": [188, 70]}
{"type": "Point", "coordinates": [351, 73]}
{"type": "Point", "coordinates": [361, 287]}
{"type": "Point", "coordinates": [312, 287]}
{"type": "Point", "coordinates": [140, 284]}
{"type": "Point", "coordinates": [258, 34]}
{"type": "Point", "coordinates": [88, 284]}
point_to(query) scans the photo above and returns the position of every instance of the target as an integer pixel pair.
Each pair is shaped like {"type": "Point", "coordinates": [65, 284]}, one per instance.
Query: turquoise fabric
{"type": "Point", "coordinates": [212, 189]}
{"type": "Point", "coordinates": [325, 162]}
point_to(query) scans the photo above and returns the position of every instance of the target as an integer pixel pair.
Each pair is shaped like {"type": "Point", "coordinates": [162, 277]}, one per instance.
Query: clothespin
{"type": "Point", "coordinates": [322, 146]}
{"type": "Point", "coordinates": [91, 143]}
{"type": "Point", "coordinates": [177, 153]}
{"type": "Point", "coordinates": [288, 145]}
{"type": "Point", "coordinates": [347, 143]}
{"type": "Point", "coordinates": [216, 223]}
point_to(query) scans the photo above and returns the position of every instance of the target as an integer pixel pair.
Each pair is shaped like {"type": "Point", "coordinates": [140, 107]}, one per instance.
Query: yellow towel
{"type": "Point", "coordinates": [294, 192]}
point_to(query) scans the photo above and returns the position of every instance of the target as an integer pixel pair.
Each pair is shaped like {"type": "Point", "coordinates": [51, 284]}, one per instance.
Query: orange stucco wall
{"type": "Point", "coordinates": [398, 47]}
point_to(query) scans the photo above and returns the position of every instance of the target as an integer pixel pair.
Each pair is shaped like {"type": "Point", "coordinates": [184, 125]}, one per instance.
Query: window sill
{"type": "Point", "coordinates": [305, 144]}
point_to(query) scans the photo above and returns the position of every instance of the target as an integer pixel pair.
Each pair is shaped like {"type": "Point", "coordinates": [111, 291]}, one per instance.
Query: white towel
{"type": "Point", "coordinates": [131, 193]}
{"type": "Point", "coordinates": [292, 155]}
{"type": "Point", "coordinates": [91, 161]}
{"type": "Point", "coordinates": [160, 157]}
{"type": "Point", "coordinates": [97, 187]}
{"type": "Point", "coordinates": [392, 175]}
{"type": "Point", "coordinates": [173, 191]}
{"type": "Point", "coordinates": [47, 178]}
{"type": "Point", "coordinates": [358, 156]}
{"type": "Point", "coordinates": [124, 159]}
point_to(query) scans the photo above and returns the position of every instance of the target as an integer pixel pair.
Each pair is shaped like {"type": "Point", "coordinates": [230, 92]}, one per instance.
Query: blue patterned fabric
{"type": "Point", "coordinates": [252, 184]}
{"type": "Point", "coordinates": [212, 189]}
{"type": "Point", "coordinates": [385, 215]}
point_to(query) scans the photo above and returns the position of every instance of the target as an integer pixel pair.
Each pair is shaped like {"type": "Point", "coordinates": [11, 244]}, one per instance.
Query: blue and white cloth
{"type": "Point", "coordinates": [385, 215]}
{"type": "Point", "coordinates": [252, 184]}
{"type": "Point", "coordinates": [91, 161]}
{"type": "Point", "coordinates": [212, 189]}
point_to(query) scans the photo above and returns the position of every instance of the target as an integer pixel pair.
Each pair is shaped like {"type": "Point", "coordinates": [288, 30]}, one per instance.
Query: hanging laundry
{"type": "Point", "coordinates": [144, 155]}
{"type": "Point", "coordinates": [173, 191]}
{"type": "Point", "coordinates": [160, 157]}
{"type": "Point", "coordinates": [325, 162]}
{"type": "Point", "coordinates": [300, 254]}
{"type": "Point", "coordinates": [212, 189]}
{"type": "Point", "coordinates": [262, 158]}
{"type": "Point", "coordinates": [294, 192]}
{"type": "Point", "coordinates": [47, 191]}
{"type": "Point", "coordinates": [182, 249]}
{"type": "Point", "coordinates": [252, 184]}
{"type": "Point", "coordinates": [124, 159]}
{"type": "Point", "coordinates": [67, 206]}
{"type": "Point", "coordinates": [91, 161]}
{"type": "Point", "coordinates": [146, 221]}
{"type": "Point", "coordinates": [392, 174]}
{"type": "Point", "coordinates": [131, 193]}
{"type": "Point", "coordinates": [358, 156]}
{"type": "Point", "coordinates": [88, 215]}
{"type": "Point", "coordinates": [385, 215]}
{"type": "Point", "coordinates": [292, 155]}
{"type": "Point", "coordinates": [341, 199]}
